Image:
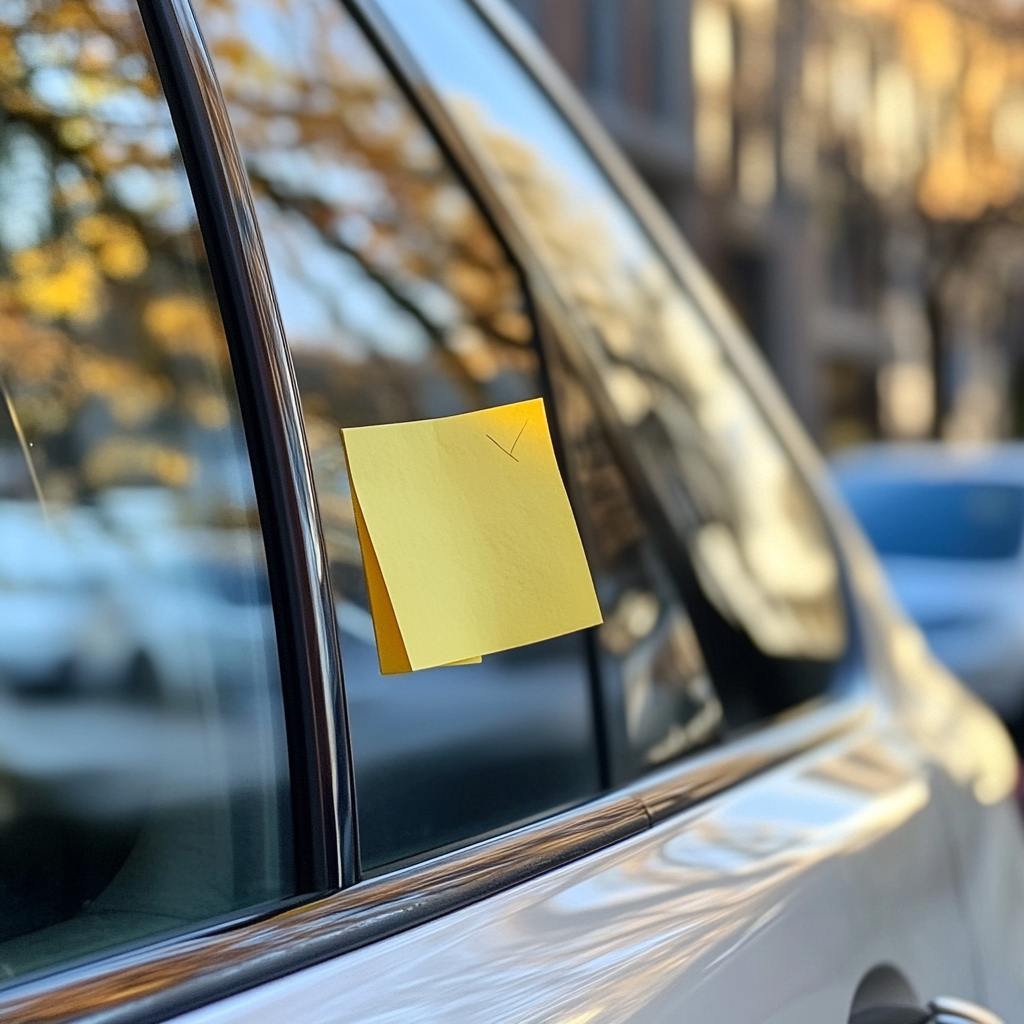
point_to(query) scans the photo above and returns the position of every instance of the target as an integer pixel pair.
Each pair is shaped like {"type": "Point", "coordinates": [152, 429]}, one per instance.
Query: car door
{"type": "Point", "coordinates": [801, 867]}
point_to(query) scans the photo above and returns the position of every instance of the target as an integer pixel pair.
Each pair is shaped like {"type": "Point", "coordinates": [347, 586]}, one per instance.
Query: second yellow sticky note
{"type": "Point", "coordinates": [468, 538]}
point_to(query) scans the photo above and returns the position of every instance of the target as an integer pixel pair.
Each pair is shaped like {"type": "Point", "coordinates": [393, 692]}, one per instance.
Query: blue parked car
{"type": "Point", "coordinates": [948, 524]}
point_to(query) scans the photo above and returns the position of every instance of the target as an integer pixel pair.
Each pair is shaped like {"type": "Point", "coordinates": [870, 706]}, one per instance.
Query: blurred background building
{"type": "Point", "coordinates": [851, 171]}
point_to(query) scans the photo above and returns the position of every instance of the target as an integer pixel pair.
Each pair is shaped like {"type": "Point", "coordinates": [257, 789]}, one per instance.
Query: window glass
{"type": "Point", "coordinates": [398, 304]}
{"type": "Point", "coordinates": [143, 777]}
{"type": "Point", "coordinates": [755, 538]}
{"type": "Point", "coordinates": [659, 698]}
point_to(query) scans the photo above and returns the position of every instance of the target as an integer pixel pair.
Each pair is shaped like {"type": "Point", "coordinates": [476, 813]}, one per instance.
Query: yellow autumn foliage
{"type": "Point", "coordinates": [58, 281]}
{"type": "Point", "coordinates": [118, 246]}
{"type": "Point", "coordinates": [185, 325]}
{"type": "Point", "coordinates": [123, 460]}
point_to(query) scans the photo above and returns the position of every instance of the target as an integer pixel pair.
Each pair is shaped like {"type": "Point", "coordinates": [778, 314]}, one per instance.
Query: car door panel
{"type": "Point", "coordinates": [990, 875]}
{"type": "Point", "coordinates": [769, 902]}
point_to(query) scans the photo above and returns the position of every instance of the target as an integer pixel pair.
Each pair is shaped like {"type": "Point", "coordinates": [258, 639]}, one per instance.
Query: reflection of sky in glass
{"type": "Point", "coordinates": [63, 91]}
{"type": "Point", "coordinates": [24, 193]}
{"type": "Point", "coordinates": [484, 71]}
{"type": "Point", "coordinates": [327, 301]}
{"type": "Point", "coordinates": [160, 193]}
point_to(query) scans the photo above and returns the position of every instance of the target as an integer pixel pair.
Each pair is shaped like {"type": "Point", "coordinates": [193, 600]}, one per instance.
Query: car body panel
{"type": "Point", "coordinates": [768, 903]}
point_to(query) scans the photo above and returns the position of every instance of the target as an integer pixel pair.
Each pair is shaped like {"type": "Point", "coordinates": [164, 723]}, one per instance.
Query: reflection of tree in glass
{"type": "Point", "coordinates": [108, 346]}
{"type": "Point", "coordinates": [398, 301]}
{"type": "Point", "coordinates": [756, 538]}
{"type": "Point", "coordinates": [331, 144]}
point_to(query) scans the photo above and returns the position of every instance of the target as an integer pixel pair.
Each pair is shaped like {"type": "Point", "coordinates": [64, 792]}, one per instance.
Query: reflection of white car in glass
{"type": "Point", "coordinates": [58, 621]}
{"type": "Point", "coordinates": [188, 605]}
{"type": "Point", "coordinates": [95, 601]}
{"type": "Point", "coordinates": [949, 527]}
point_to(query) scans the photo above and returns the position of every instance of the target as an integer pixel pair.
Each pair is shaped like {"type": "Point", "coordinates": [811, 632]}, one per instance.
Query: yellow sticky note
{"type": "Point", "coordinates": [468, 539]}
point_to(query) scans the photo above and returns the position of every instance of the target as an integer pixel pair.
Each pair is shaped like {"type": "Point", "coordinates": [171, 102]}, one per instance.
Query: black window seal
{"type": "Point", "coordinates": [155, 983]}
{"type": "Point", "coordinates": [303, 603]}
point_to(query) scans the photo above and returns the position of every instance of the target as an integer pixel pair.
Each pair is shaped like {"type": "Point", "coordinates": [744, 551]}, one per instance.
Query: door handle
{"type": "Point", "coordinates": [949, 1010]}
{"type": "Point", "coordinates": [943, 1010]}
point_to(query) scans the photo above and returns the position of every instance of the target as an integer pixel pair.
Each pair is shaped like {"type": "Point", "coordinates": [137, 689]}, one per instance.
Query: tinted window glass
{"type": "Point", "coordinates": [143, 779]}
{"type": "Point", "coordinates": [776, 622]}
{"type": "Point", "coordinates": [398, 304]}
{"type": "Point", "coordinates": [940, 520]}
{"type": "Point", "coordinates": [660, 700]}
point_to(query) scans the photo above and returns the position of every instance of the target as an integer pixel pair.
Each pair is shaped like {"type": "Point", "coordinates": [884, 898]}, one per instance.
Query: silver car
{"type": "Point", "coordinates": [229, 229]}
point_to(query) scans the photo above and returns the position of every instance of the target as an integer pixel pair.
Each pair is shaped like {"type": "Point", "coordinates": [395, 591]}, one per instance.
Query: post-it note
{"type": "Point", "coordinates": [468, 539]}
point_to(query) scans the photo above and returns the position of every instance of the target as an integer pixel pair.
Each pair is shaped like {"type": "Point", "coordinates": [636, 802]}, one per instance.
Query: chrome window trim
{"type": "Point", "coordinates": [152, 984]}
{"type": "Point", "coordinates": [304, 613]}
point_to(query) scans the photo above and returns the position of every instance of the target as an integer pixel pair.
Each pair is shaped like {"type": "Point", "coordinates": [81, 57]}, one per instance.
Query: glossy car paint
{"type": "Point", "coordinates": [767, 904]}
{"type": "Point", "coordinates": [896, 845]}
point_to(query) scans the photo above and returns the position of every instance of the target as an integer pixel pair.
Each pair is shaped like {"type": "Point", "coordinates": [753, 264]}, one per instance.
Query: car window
{"type": "Point", "coordinates": [773, 616]}
{"type": "Point", "coordinates": [143, 771]}
{"type": "Point", "coordinates": [658, 698]}
{"type": "Point", "coordinates": [398, 304]}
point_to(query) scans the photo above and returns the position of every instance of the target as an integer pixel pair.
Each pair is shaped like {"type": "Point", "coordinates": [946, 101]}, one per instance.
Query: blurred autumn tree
{"type": "Point", "coordinates": [397, 298]}
{"type": "Point", "coordinates": [330, 142]}
{"type": "Point", "coordinates": [109, 343]}
{"type": "Point", "coordinates": [109, 339]}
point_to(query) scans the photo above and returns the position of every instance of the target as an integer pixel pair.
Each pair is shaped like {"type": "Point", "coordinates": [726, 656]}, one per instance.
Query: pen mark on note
{"type": "Point", "coordinates": [509, 451]}
{"type": "Point", "coordinates": [509, 454]}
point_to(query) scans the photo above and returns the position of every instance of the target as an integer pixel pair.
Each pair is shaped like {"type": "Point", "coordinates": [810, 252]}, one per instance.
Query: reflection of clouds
{"type": "Point", "coordinates": [327, 301]}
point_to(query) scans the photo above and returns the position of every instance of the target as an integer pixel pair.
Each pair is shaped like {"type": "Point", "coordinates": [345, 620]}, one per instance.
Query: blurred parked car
{"type": "Point", "coordinates": [230, 228]}
{"type": "Point", "coordinates": [948, 524]}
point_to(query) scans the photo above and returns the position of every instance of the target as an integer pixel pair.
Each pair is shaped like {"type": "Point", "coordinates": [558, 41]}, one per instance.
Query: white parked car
{"type": "Point", "coordinates": [948, 524]}
{"type": "Point", "coordinates": [752, 796]}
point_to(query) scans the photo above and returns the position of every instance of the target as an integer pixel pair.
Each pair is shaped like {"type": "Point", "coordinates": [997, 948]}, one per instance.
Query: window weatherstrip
{"type": "Point", "coordinates": [150, 985]}
{"type": "Point", "coordinates": [319, 758]}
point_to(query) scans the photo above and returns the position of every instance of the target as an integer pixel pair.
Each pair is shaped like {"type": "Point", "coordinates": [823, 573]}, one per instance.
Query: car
{"type": "Point", "coordinates": [229, 230]}
{"type": "Point", "coordinates": [948, 524]}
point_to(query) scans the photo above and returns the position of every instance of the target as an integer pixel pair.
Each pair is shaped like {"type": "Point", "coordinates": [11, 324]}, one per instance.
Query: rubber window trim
{"type": "Point", "coordinates": [311, 673]}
